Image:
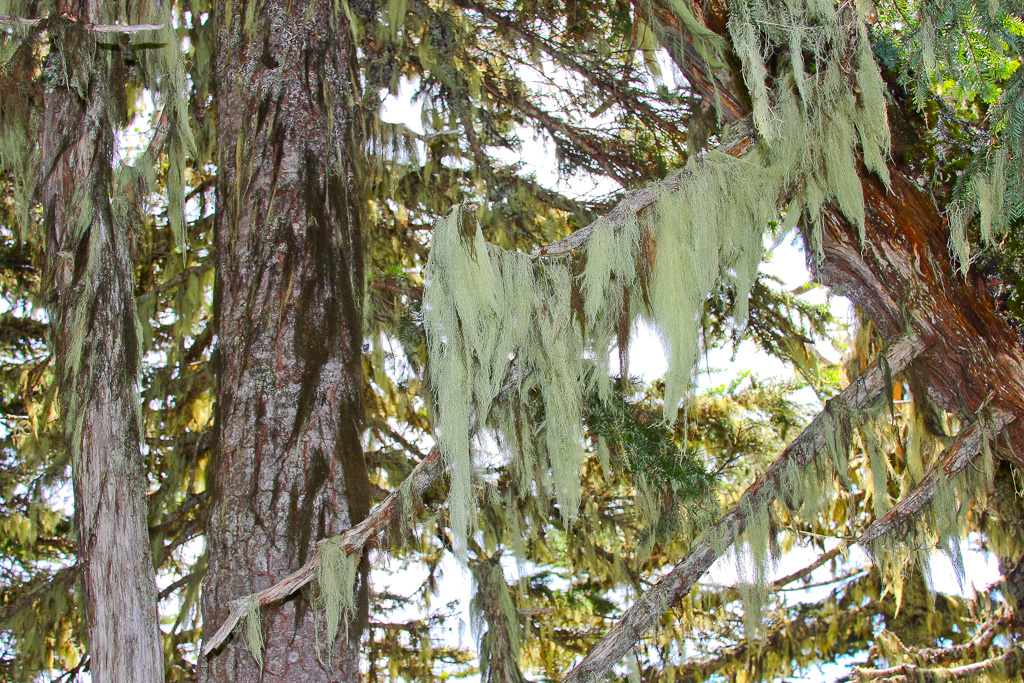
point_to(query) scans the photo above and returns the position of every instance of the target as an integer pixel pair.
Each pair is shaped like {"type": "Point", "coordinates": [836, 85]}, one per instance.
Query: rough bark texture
{"type": "Point", "coordinates": [383, 519]}
{"type": "Point", "coordinates": [289, 467]}
{"type": "Point", "coordinates": [97, 352]}
{"type": "Point", "coordinates": [903, 276]}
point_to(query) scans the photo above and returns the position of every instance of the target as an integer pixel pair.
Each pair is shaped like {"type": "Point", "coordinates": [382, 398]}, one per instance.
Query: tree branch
{"type": "Point", "coordinates": [1007, 665]}
{"type": "Point", "coordinates": [638, 200]}
{"type": "Point", "coordinates": [958, 455]}
{"type": "Point", "coordinates": [9, 20]}
{"type": "Point", "coordinates": [652, 605]}
{"type": "Point", "coordinates": [981, 642]}
{"type": "Point", "coordinates": [806, 571]}
{"type": "Point", "coordinates": [352, 541]}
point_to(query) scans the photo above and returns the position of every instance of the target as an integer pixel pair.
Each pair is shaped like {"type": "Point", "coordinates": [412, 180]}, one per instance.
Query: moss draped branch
{"type": "Point", "coordinates": [955, 458]}
{"type": "Point", "coordinates": [649, 609]}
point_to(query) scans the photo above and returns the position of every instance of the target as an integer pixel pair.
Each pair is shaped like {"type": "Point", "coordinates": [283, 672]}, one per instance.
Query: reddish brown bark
{"type": "Point", "coordinates": [903, 277]}
{"type": "Point", "coordinates": [289, 467]}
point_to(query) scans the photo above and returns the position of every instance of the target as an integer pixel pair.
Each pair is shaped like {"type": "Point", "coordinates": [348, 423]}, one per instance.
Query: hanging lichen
{"type": "Point", "coordinates": [336, 576]}
{"type": "Point", "coordinates": [253, 626]}
{"type": "Point", "coordinates": [495, 624]}
{"type": "Point", "coordinates": [752, 561]}
{"type": "Point", "coordinates": [511, 336]}
{"type": "Point", "coordinates": [942, 525]}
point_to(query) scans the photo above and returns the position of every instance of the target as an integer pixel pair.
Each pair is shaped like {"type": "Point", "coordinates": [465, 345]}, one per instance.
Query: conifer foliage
{"type": "Point", "coordinates": [255, 341]}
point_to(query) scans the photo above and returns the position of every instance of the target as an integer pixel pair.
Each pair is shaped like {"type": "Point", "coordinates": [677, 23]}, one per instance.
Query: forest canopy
{"type": "Point", "coordinates": [265, 355]}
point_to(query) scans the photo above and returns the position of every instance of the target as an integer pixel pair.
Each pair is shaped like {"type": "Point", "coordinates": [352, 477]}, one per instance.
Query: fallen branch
{"type": "Point", "coordinates": [652, 605]}
{"type": "Point", "coordinates": [352, 541]}
{"type": "Point", "coordinates": [958, 455]}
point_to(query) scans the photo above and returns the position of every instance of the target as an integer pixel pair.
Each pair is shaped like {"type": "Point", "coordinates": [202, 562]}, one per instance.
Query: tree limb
{"type": "Point", "coordinates": [352, 541]}
{"type": "Point", "coordinates": [9, 20]}
{"type": "Point", "coordinates": [638, 200]}
{"type": "Point", "coordinates": [652, 605]}
{"type": "Point", "coordinates": [981, 642]}
{"type": "Point", "coordinates": [958, 455]}
{"type": "Point", "coordinates": [1008, 665]}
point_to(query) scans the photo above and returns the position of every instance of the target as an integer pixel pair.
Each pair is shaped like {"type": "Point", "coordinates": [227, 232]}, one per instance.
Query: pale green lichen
{"type": "Point", "coordinates": [753, 562]}
{"type": "Point", "coordinates": [539, 330]}
{"type": "Point", "coordinates": [254, 630]}
{"type": "Point", "coordinates": [336, 575]}
{"type": "Point", "coordinates": [879, 472]}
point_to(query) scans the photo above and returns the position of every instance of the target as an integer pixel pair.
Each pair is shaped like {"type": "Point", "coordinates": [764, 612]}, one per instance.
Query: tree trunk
{"type": "Point", "coordinates": [96, 346]}
{"type": "Point", "coordinates": [289, 466]}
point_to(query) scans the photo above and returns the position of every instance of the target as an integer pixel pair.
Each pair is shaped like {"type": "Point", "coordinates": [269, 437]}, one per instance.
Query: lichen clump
{"type": "Point", "coordinates": [503, 326]}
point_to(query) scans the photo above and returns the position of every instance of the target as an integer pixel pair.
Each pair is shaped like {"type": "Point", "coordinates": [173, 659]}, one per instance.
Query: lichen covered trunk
{"type": "Point", "coordinates": [96, 347]}
{"type": "Point", "coordinates": [289, 467]}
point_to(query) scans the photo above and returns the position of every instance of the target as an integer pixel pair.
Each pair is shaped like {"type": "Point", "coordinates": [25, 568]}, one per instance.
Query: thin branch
{"type": "Point", "coordinates": [652, 605]}
{"type": "Point", "coordinates": [352, 541]}
{"type": "Point", "coordinates": [779, 584]}
{"type": "Point", "coordinates": [1007, 665]}
{"type": "Point", "coordinates": [638, 200]}
{"type": "Point", "coordinates": [183, 581]}
{"type": "Point", "coordinates": [9, 20]}
{"type": "Point", "coordinates": [958, 455]}
{"type": "Point", "coordinates": [809, 624]}
{"type": "Point", "coordinates": [828, 582]}
{"type": "Point", "coordinates": [72, 674]}
{"type": "Point", "coordinates": [981, 642]}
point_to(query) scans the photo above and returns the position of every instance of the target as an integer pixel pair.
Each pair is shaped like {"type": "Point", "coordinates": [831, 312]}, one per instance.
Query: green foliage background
{"type": "Point", "coordinates": [588, 77]}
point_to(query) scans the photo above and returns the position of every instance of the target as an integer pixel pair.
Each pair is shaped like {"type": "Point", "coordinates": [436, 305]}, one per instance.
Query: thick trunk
{"type": "Point", "coordinates": [97, 353]}
{"type": "Point", "coordinates": [904, 277]}
{"type": "Point", "coordinates": [289, 467]}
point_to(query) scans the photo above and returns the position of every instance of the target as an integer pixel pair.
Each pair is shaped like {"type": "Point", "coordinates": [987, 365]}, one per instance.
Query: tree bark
{"type": "Point", "coordinates": [289, 467]}
{"type": "Point", "coordinates": [96, 347]}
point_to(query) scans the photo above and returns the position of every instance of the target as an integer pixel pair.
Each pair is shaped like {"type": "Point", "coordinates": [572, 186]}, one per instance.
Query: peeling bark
{"type": "Point", "coordinates": [289, 467]}
{"type": "Point", "coordinates": [97, 356]}
{"type": "Point", "coordinates": [903, 277]}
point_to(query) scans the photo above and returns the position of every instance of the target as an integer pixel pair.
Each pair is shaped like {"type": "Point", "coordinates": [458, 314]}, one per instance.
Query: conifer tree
{"type": "Point", "coordinates": [344, 343]}
{"type": "Point", "coordinates": [88, 282]}
{"type": "Point", "coordinates": [289, 468]}
{"type": "Point", "coordinates": [96, 345]}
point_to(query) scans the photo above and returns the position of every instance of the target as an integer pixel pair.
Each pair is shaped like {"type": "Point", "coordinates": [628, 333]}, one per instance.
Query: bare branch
{"type": "Point", "coordinates": [352, 541]}
{"type": "Point", "coordinates": [652, 605]}
{"type": "Point", "coordinates": [806, 571]}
